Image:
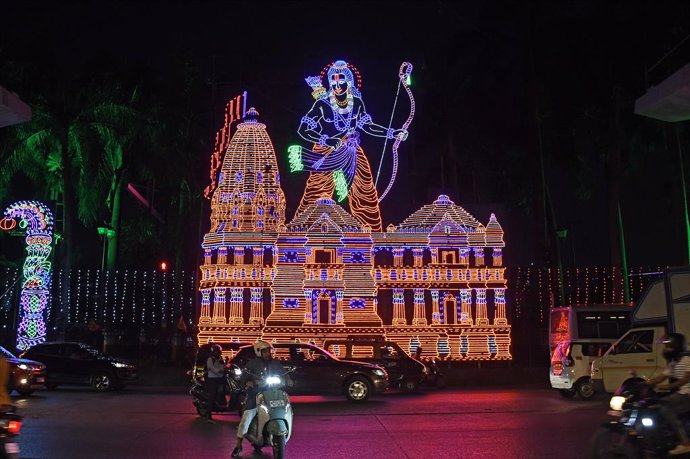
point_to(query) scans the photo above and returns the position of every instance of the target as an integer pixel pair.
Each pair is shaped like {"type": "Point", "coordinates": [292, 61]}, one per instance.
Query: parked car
{"type": "Point", "coordinates": [316, 371]}
{"type": "Point", "coordinates": [404, 372]}
{"type": "Point", "coordinates": [25, 375]}
{"type": "Point", "coordinates": [79, 363]}
{"type": "Point", "coordinates": [571, 366]}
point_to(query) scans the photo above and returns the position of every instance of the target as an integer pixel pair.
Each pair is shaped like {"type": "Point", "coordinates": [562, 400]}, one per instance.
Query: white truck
{"type": "Point", "coordinates": [663, 308]}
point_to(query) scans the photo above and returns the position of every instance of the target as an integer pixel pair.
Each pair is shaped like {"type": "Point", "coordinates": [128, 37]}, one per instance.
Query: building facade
{"type": "Point", "coordinates": [436, 280]}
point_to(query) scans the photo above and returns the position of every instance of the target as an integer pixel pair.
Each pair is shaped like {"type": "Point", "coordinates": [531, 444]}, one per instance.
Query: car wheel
{"type": "Point", "coordinates": [357, 389]}
{"type": "Point", "coordinates": [585, 389]}
{"type": "Point", "coordinates": [409, 386]}
{"type": "Point", "coordinates": [52, 386]}
{"type": "Point", "coordinates": [102, 382]}
{"type": "Point", "coordinates": [567, 393]}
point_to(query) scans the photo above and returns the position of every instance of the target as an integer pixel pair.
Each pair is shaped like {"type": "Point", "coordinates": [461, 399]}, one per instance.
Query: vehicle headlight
{"type": "Point", "coordinates": [121, 365]}
{"type": "Point", "coordinates": [647, 422]}
{"type": "Point", "coordinates": [237, 371]}
{"type": "Point", "coordinates": [23, 366]}
{"type": "Point", "coordinates": [379, 372]}
{"type": "Point", "coordinates": [616, 403]}
{"type": "Point", "coordinates": [272, 380]}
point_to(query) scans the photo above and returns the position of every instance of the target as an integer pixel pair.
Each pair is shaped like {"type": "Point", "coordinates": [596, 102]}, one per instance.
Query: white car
{"type": "Point", "coordinates": [570, 366]}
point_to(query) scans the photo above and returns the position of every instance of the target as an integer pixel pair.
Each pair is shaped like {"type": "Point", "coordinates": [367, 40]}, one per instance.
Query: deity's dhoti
{"type": "Point", "coordinates": [362, 197]}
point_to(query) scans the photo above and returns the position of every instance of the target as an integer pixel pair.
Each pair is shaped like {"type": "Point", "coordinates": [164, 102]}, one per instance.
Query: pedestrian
{"type": "Point", "coordinates": [215, 370]}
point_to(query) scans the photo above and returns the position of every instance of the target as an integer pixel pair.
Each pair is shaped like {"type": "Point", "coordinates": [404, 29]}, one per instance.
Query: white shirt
{"type": "Point", "coordinates": [215, 367]}
{"type": "Point", "coordinates": [678, 370]}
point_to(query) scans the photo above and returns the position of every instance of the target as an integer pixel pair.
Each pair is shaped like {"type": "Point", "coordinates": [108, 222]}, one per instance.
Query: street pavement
{"type": "Point", "coordinates": [160, 422]}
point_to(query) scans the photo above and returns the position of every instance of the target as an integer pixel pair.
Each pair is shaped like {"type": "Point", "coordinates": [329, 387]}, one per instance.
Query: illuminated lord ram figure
{"type": "Point", "coordinates": [436, 280]}
{"type": "Point", "coordinates": [336, 162]}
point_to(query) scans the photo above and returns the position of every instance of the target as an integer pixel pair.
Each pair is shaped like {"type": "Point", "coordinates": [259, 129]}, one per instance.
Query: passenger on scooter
{"type": "Point", "coordinates": [215, 370]}
{"type": "Point", "coordinates": [256, 369]}
{"type": "Point", "coordinates": [678, 403]}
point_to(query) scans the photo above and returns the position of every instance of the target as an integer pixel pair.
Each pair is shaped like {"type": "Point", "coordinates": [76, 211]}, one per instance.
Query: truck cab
{"type": "Point", "coordinates": [663, 308]}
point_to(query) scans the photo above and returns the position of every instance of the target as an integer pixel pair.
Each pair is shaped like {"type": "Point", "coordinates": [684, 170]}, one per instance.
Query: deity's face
{"type": "Point", "coordinates": [338, 83]}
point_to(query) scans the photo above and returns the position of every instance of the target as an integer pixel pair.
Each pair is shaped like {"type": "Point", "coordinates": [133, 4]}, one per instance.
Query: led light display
{"type": "Point", "coordinates": [37, 220]}
{"type": "Point", "coordinates": [434, 281]}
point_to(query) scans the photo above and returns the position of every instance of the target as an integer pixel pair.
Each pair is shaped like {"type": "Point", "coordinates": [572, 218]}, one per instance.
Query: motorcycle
{"type": "Point", "coordinates": [10, 425]}
{"type": "Point", "coordinates": [272, 425]}
{"type": "Point", "coordinates": [639, 429]}
{"type": "Point", "coordinates": [228, 399]}
{"type": "Point", "coordinates": [434, 377]}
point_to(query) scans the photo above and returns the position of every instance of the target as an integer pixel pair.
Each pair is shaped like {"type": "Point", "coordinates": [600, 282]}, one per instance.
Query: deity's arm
{"type": "Point", "coordinates": [365, 123]}
{"type": "Point", "coordinates": [310, 127]}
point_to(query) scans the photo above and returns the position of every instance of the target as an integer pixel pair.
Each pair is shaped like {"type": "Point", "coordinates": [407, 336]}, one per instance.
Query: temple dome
{"type": "Point", "coordinates": [324, 211]}
{"type": "Point", "coordinates": [428, 217]}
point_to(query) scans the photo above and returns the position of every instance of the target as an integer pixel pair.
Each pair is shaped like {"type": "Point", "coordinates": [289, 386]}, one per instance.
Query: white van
{"type": "Point", "coordinates": [571, 365]}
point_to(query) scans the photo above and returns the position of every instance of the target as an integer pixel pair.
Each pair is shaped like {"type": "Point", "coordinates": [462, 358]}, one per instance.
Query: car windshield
{"type": "Point", "coordinates": [90, 350]}
{"type": "Point", "coordinates": [6, 353]}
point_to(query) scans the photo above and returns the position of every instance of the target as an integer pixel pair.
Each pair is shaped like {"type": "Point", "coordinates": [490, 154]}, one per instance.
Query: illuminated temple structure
{"type": "Point", "coordinates": [435, 280]}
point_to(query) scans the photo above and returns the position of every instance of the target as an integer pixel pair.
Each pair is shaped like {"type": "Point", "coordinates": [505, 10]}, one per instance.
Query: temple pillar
{"type": "Point", "coordinates": [236, 300]}
{"type": "Point", "coordinates": [219, 305]}
{"type": "Point", "coordinates": [205, 317]}
{"type": "Point", "coordinates": [257, 303]}
{"type": "Point", "coordinates": [418, 254]}
{"type": "Point", "coordinates": [419, 313]}
{"type": "Point", "coordinates": [498, 256]}
{"type": "Point", "coordinates": [478, 256]}
{"type": "Point", "coordinates": [397, 256]}
{"type": "Point", "coordinates": [466, 306]}
{"type": "Point", "coordinates": [339, 307]}
{"type": "Point", "coordinates": [482, 319]}
{"type": "Point", "coordinates": [222, 255]}
{"type": "Point", "coordinates": [500, 307]}
{"type": "Point", "coordinates": [239, 255]}
{"type": "Point", "coordinates": [399, 307]}
{"type": "Point", "coordinates": [435, 313]}
{"type": "Point", "coordinates": [258, 256]}
{"type": "Point", "coordinates": [308, 318]}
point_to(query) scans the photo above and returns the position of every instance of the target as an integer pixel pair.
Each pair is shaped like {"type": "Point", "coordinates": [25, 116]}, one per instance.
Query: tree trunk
{"type": "Point", "coordinates": [115, 220]}
{"type": "Point", "coordinates": [69, 215]}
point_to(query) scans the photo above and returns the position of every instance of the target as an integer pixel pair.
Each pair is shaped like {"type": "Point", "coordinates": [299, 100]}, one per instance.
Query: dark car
{"type": "Point", "coordinates": [79, 363]}
{"type": "Point", "coordinates": [316, 371]}
{"type": "Point", "coordinates": [404, 372]}
{"type": "Point", "coordinates": [25, 375]}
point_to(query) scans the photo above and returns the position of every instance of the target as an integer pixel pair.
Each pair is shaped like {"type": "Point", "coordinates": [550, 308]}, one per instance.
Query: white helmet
{"type": "Point", "coordinates": [260, 345]}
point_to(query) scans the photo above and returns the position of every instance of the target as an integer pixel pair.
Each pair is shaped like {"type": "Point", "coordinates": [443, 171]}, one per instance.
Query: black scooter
{"type": "Point", "coordinates": [639, 429]}
{"type": "Point", "coordinates": [228, 399]}
{"type": "Point", "coordinates": [10, 425]}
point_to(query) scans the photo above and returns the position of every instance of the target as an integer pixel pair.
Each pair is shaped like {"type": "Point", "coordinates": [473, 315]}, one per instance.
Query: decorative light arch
{"type": "Point", "coordinates": [37, 219]}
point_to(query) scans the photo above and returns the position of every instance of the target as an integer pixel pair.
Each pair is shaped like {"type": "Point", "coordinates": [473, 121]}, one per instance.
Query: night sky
{"type": "Point", "coordinates": [494, 83]}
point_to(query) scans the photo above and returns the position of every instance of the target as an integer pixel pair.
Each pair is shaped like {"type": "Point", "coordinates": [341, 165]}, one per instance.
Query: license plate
{"type": "Point", "coordinates": [11, 448]}
{"type": "Point", "coordinates": [40, 380]}
{"type": "Point", "coordinates": [276, 403]}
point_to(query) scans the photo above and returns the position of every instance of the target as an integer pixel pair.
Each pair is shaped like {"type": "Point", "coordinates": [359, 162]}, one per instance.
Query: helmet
{"type": "Point", "coordinates": [676, 341]}
{"type": "Point", "coordinates": [216, 348]}
{"type": "Point", "coordinates": [260, 346]}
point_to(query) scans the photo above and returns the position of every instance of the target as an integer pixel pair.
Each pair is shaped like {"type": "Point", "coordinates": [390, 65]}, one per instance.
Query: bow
{"type": "Point", "coordinates": [403, 74]}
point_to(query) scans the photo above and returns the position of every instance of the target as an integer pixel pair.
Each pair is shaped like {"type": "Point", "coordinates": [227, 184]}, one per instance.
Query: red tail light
{"type": "Point", "coordinates": [14, 427]}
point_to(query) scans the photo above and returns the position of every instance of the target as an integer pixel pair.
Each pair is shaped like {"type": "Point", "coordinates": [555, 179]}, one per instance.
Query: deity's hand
{"type": "Point", "coordinates": [400, 134]}
{"type": "Point", "coordinates": [334, 142]}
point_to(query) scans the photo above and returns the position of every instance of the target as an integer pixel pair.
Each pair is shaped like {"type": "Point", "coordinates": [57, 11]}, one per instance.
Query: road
{"type": "Point", "coordinates": [150, 422]}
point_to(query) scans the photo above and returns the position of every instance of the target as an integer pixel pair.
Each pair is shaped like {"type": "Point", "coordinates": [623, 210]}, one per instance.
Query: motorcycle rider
{"type": "Point", "coordinates": [256, 369]}
{"type": "Point", "coordinates": [678, 373]}
{"type": "Point", "coordinates": [215, 370]}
